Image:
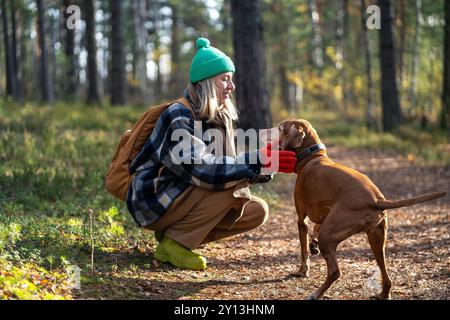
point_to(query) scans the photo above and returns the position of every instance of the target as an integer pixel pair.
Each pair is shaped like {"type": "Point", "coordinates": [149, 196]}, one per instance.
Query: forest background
{"type": "Point", "coordinates": [371, 76]}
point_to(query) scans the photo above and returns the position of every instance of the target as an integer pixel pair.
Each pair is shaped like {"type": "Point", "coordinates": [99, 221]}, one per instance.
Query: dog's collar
{"type": "Point", "coordinates": [310, 150]}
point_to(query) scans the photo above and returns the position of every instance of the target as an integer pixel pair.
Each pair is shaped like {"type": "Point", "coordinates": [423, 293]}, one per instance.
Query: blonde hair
{"type": "Point", "coordinates": [204, 96]}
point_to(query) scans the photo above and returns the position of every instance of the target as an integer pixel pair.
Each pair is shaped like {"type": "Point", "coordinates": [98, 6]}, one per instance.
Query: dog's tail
{"type": "Point", "coordinates": [390, 204]}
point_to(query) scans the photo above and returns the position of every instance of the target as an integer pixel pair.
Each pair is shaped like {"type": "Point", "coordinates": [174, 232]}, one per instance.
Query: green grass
{"type": "Point", "coordinates": [52, 163]}
{"type": "Point", "coordinates": [55, 212]}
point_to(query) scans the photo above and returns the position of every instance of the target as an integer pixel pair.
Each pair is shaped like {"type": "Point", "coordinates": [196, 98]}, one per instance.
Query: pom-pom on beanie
{"type": "Point", "coordinates": [208, 62]}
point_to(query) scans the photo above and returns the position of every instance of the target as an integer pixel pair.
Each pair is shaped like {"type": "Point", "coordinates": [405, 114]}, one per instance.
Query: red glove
{"type": "Point", "coordinates": [277, 160]}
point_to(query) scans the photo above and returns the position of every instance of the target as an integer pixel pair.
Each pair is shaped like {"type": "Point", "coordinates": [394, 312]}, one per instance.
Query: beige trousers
{"type": "Point", "coordinates": [200, 216]}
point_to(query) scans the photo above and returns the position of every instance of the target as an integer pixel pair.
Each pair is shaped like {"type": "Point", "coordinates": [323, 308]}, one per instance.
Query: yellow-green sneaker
{"type": "Point", "coordinates": [171, 251]}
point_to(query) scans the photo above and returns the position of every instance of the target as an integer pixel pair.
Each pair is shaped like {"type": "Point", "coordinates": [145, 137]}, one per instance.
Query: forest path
{"type": "Point", "coordinates": [259, 264]}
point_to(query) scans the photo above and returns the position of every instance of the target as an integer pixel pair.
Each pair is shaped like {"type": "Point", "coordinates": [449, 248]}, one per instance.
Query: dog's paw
{"type": "Point", "coordinates": [303, 272]}
{"type": "Point", "coordinates": [317, 296]}
{"type": "Point", "coordinates": [380, 297]}
{"type": "Point", "coordinates": [313, 296]}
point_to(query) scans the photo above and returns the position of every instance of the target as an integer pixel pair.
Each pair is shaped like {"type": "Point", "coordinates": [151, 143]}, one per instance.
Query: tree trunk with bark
{"type": "Point", "coordinates": [139, 12]}
{"type": "Point", "coordinates": [11, 89]}
{"type": "Point", "coordinates": [118, 74]}
{"type": "Point", "coordinates": [370, 107]}
{"type": "Point", "coordinates": [44, 78]}
{"type": "Point", "coordinates": [445, 112]}
{"type": "Point", "coordinates": [52, 56]}
{"type": "Point", "coordinates": [93, 94]}
{"type": "Point", "coordinates": [415, 55]}
{"type": "Point", "coordinates": [16, 74]}
{"type": "Point", "coordinates": [281, 53]}
{"type": "Point", "coordinates": [70, 68]}
{"type": "Point", "coordinates": [392, 116]}
{"type": "Point", "coordinates": [401, 27]}
{"type": "Point", "coordinates": [249, 56]}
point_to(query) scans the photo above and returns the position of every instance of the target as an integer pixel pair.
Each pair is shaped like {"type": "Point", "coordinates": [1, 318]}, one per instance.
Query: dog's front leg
{"type": "Point", "coordinates": [303, 236]}
{"type": "Point", "coordinates": [302, 230]}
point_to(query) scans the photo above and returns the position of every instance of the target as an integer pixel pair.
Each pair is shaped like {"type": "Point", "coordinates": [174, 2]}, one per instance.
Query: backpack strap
{"type": "Point", "coordinates": [185, 102]}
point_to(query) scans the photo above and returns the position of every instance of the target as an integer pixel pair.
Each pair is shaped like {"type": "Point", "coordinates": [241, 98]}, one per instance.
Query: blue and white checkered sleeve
{"type": "Point", "coordinates": [185, 153]}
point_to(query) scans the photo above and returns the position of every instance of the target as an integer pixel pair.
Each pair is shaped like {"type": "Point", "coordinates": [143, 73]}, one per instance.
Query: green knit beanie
{"type": "Point", "coordinates": [208, 62]}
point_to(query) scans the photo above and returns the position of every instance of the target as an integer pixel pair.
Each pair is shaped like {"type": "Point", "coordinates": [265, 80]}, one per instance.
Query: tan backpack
{"type": "Point", "coordinates": [118, 177]}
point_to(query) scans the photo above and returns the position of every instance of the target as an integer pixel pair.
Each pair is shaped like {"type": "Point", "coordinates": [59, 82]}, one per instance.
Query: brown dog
{"type": "Point", "coordinates": [342, 200]}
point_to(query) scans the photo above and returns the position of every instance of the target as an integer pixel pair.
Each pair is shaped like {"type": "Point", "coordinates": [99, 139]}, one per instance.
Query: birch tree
{"type": "Point", "coordinates": [316, 37]}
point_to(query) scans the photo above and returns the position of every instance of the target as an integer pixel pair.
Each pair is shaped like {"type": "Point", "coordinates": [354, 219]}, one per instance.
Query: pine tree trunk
{"type": "Point", "coordinates": [26, 56]}
{"type": "Point", "coordinates": [139, 10]}
{"type": "Point", "coordinates": [21, 53]}
{"type": "Point", "coordinates": [392, 116]}
{"type": "Point", "coordinates": [52, 56]}
{"type": "Point", "coordinates": [1, 69]}
{"type": "Point", "coordinates": [93, 94]}
{"type": "Point", "coordinates": [15, 59]}
{"type": "Point", "coordinates": [402, 33]}
{"type": "Point", "coordinates": [281, 54]}
{"type": "Point", "coordinates": [118, 75]}
{"type": "Point", "coordinates": [71, 78]}
{"type": "Point", "coordinates": [105, 48]}
{"type": "Point", "coordinates": [9, 60]}
{"type": "Point", "coordinates": [285, 88]}
{"type": "Point", "coordinates": [44, 79]}
{"type": "Point", "coordinates": [445, 112]}
{"type": "Point", "coordinates": [415, 56]}
{"type": "Point", "coordinates": [370, 108]}
{"type": "Point", "coordinates": [249, 55]}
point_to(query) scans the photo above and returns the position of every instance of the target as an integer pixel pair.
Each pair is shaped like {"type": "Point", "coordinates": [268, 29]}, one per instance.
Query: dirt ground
{"type": "Point", "coordinates": [260, 264]}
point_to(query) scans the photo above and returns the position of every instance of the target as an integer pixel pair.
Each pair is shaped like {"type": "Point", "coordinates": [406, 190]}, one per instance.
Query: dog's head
{"type": "Point", "coordinates": [296, 134]}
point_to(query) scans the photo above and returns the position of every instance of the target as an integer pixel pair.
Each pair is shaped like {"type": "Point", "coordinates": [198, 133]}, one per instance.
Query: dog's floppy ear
{"type": "Point", "coordinates": [293, 139]}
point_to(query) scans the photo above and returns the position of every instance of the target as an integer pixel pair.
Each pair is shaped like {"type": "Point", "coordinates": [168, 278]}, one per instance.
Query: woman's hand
{"type": "Point", "coordinates": [274, 160]}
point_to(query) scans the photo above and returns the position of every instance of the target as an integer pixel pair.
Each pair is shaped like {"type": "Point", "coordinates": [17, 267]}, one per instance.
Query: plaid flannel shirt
{"type": "Point", "coordinates": [159, 180]}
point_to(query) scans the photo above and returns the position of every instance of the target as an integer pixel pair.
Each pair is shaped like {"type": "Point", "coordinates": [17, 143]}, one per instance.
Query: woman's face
{"type": "Point", "coordinates": [224, 86]}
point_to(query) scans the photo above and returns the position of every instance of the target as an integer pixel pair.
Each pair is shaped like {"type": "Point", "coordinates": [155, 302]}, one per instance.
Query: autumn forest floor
{"type": "Point", "coordinates": [260, 264]}
{"type": "Point", "coordinates": [56, 217]}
